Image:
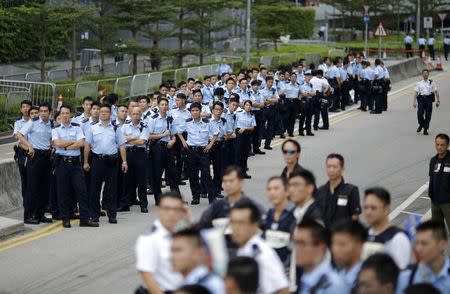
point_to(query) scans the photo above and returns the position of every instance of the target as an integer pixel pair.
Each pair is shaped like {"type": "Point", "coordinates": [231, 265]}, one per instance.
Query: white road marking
{"type": "Point", "coordinates": [426, 216]}
{"type": "Point", "coordinates": [408, 201]}
{"type": "Point", "coordinates": [424, 197]}
{"type": "Point", "coordinates": [411, 213]}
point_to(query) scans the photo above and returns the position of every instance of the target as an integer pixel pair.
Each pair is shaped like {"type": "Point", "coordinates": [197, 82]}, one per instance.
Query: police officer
{"type": "Point", "coordinates": [136, 134]}
{"type": "Point", "coordinates": [334, 79]}
{"type": "Point", "coordinates": [258, 104]}
{"type": "Point", "coordinates": [87, 107]}
{"type": "Point", "coordinates": [217, 151]}
{"type": "Point", "coordinates": [279, 219]}
{"type": "Point", "coordinates": [292, 93]}
{"type": "Point", "coordinates": [68, 138]}
{"type": "Point", "coordinates": [20, 153]}
{"type": "Point", "coordinates": [421, 41]}
{"type": "Point", "coordinates": [446, 43]}
{"type": "Point", "coordinates": [367, 77]}
{"type": "Point", "coordinates": [378, 87]}
{"type": "Point", "coordinates": [387, 86]}
{"type": "Point", "coordinates": [270, 97]}
{"type": "Point", "coordinates": [36, 136]}
{"type": "Point", "coordinates": [323, 90]}
{"type": "Point", "coordinates": [229, 148]}
{"type": "Point", "coordinates": [224, 67]}
{"type": "Point", "coordinates": [425, 94]}
{"type": "Point", "coordinates": [207, 90]}
{"type": "Point", "coordinates": [180, 115]}
{"type": "Point", "coordinates": [408, 40]}
{"type": "Point", "coordinates": [339, 200]}
{"type": "Point", "coordinates": [144, 104]}
{"type": "Point", "coordinates": [87, 122]}
{"type": "Point", "coordinates": [307, 96]}
{"type": "Point", "coordinates": [105, 142]}
{"type": "Point", "coordinates": [430, 43]}
{"type": "Point", "coordinates": [346, 84]}
{"type": "Point", "coordinates": [245, 124]}
{"type": "Point", "coordinates": [162, 136]}
{"type": "Point", "coordinates": [199, 131]}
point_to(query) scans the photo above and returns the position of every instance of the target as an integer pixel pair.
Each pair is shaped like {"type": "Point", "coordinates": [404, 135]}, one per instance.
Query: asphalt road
{"type": "Point", "coordinates": [379, 150]}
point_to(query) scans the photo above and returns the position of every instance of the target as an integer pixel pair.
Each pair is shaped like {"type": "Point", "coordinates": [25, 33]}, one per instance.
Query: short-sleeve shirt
{"type": "Point", "coordinates": [245, 120]}
{"type": "Point", "coordinates": [199, 132]}
{"type": "Point", "coordinates": [38, 133]}
{"type": "Point", "coordinates": [67, 133]}
{"type": "Point", "coordinates": [292, 90]}
{"type": "Point", "coordinates": [425, 88]}
{"type": "Point", "coordinates": [159, 124]}
{"type": "Point", "coordinates": [105, 139]}
{"type": "Point", "coordinates": [140, 130]}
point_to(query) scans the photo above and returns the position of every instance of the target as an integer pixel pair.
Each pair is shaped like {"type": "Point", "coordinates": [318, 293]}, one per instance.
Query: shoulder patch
{"type": "Point", "coordinates": [189, 119]}
{"type": "Point", "coordinates": [56, 126]}
{"type": "Point", "coordinates": [205, 120]}
{"type": "Point", "coordinates": [94, 123]}
{"type": "Point", "coordinates": [85, 120]}
{"type": "Point", "coordinates": [78, 114]}
{"type": "Point", "coordinates": [155, 116]}
{"type": "Point", "coordinates": [75, 124]}
{"type": "Point", "coordinates": [127, 121]}
{"type": "Point", "coordinates": [143, 124]}
{"type": "Point", "coordinates": [19, 118]}
{"type": "Point", "coordinates": [256, 250]}
{"type": "Point", "coordinates": [224, 120]}
{"type": "Point", "coordinates": [36, 118]}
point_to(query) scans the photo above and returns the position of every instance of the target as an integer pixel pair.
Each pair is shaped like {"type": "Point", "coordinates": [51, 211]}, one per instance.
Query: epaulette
{"type": "Point", "coordinates": [143, 124]}
{"type": "Point", "coordinates": [224, 120]}
{"type": "Point", "coordinates": [189, 119]}
{"type": "Point", "coordinates": [256, 250]}
{"type": "Point", "coordinates": [56, 126]}
{"type": "Point", "coordinates": [85, 120]}
{"type": "Point", "coordinates": [127, 121]}
{"type": "Point", "coordinates": [35, 119]}
{"type": "Point", "coordinates": [240, 110]}
{"type": "Point", "coordinates": [169, 119]}
{"type": "Point", "coordinates": [151, 230]}
{"type": "Point", "coordinates": [78, 114]}
{"type": "Point", "coordinates": [75, 124]}
{"type": "Point", "coordinates": [52, 123]}
{"type": "Point", "coordinates": [19, 118]}
{"type": "Point", "coordinates": [155, 116]}
{"type": "Point", "coordinates": [147, 114]}
{"type": "Point", "coordinates": [225, 110]}
{"type": "Point", "coordinates": [155, 109]}
{"type": "Point", "coordinates": [205, 120]}
{"type": "Point", "coordinates": [94, 123]}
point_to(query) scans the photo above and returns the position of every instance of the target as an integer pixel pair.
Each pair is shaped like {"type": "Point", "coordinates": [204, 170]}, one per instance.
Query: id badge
{"type": "Point", "coordinates": [342, 200]}
{"type": "Point", "coordinates": [437, 167]}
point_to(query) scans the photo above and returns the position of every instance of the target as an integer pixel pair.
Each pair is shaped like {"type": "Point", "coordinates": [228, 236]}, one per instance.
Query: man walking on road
{"type": "Point", "coordinates": [425, 94]}
{"type": "Point", "coordinates": [439, 189]}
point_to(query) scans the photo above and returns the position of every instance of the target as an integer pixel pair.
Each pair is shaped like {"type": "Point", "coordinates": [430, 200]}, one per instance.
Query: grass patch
{"type": "Point", "coordinates": [297, 48]}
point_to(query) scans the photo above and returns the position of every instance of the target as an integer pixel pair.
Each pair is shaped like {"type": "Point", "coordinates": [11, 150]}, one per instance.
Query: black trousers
{"type": "Point", "coordinates": [306, 115]}
{"type": "Point", "coordinates": [21, 159]}
{"type": "Point", "coordinates": [198, 161]}
{"type": "Point", "coordinates": [269, 124]}
{"type": "Point", "coordinates": [431, 50]}
{"type": "Point", "coordinates": [424, 111]}
{"type": "Point", "coordinates": [38, 185]}
{"type": "Point", "coordinates": [103, 170]}
{"type": "Point", "coordinates": [291, 115]}
{"type": "Point", "coordinates": [257, 132]}
{"type": "Point", "coordinates": [243, 144]}
{"type": "Point", "coordinates": [70, 177]}
{"type": "Point", "coordinates": [135, 178]}
{"type": "Point", "coordinates": [446, 49]}
{"type": "Point", "coordinates": [319, 112]}
{"type": "Point", "coordinates": [408, 47]}
{"type": "Point", "coordinates": [180, 155]}
{"type": "Point", "coordinates": [422, 49]}
{"type": "Point", "coordinates": [216, 155]}
{"type": "Point", "coordinates": [345, 94]}
{"type": "Point", "coordinates": [163, 159]}
{"type": "Point", "coordinates": [229, 152]}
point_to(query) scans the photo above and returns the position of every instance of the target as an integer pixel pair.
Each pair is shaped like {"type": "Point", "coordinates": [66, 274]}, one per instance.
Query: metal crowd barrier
{"type": "Point", "coordinates": [15, 91]}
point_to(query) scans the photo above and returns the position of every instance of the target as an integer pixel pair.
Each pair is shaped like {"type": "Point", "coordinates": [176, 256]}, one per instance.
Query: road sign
{"type": "Point", "coordinates": [442, 16]}
{"type": "Point", "coordinates": [380, 31]}
{"type": "Point", "coordinates": [366, 8]}
{"type": "Point", "coordinates": [427, 22]}
{"type": "Point", "coordinates": [366, 18]}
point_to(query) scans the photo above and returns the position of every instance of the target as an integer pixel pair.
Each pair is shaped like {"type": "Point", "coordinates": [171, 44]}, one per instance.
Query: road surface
{"type": "Point", "coordinates": [379, 150]}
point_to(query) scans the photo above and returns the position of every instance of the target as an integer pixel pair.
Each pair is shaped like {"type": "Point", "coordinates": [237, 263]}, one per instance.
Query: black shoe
{"type": "Point", "coordinates": [268, 148]}
{"type": "Point", "coordinates": [102, 213]}
{"type": "Point", "coordinates": [89, 223]}
{"type": "Point", "coordinates": [220, 196]}
{"type": "Point", "coordinates": [335, 110]}
{"type": "Point", "coordinates": [195, 201]}
{"type": "Point", "coordinates": [291, 135]}
{"type": "Point", "coordinates": [66, 224]}
{"type": "Point", "coordinates": [203, 195]}
{"type": "Point", "coordinates": [112, 220]}
{"type": "Point", "coordinates": [181, 183]}
{"type": "Point", "coordinates": [149, 191]}
{"type": "Point", "coordinates": [375, 112]}
{"type": "Point", "coordinates": [323, 128]}
{"type": "Point", "coordinates": [251, 153]}
{"type": "Point", "coordinates": [260, 152]}
{"type": "Point", "coordinates": [425, 132]}
{"type": "Point", "coordinates": [75, 216]}
{"type": "Point", "coordinates": [316, 128]}
{"type": "Point", "coordinates": [136, 202]}
{"type": "Point", "coordinates": [31, 221]}
{"type": "Point", "coordinates": [282, 136]}
{"type": "Point", "coordinates": [144, 210]}
{"type": "Point", "coordinates": [309, 134]}
{"type": "Point", "coordinates": [123, 209]}
{"type": "Point", "coordinates": [95, 220]}
{"type": "Point", "coordinates": [45, 219]}
{"type": "Point", "coordinates": [247, 176]}
{"type": "Point", "coordinates": [301, 134]}
{"type": "Point", "coordinates": [419, 129]}
{"type": "Point", "coordinates": [57, 217]}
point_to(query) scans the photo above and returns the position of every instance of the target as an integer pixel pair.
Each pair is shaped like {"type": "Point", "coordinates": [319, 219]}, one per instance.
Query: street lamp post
{"type": "Point", "coordinates": [247, 32]}
{"type": "Point", "coordinates": [418, 21]}
{"type": "Point", "coordinates": [366, 48]}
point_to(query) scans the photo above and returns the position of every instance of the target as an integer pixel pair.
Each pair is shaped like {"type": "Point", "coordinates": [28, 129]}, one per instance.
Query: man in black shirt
{"type": "Point", "coordinates": [439, 172]}
{"type": "Point", "coordinates": [339, 201]}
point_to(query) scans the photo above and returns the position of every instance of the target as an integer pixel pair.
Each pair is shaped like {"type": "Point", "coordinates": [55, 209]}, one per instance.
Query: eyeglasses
{"type": "Point", "coordinates": [289, 151]}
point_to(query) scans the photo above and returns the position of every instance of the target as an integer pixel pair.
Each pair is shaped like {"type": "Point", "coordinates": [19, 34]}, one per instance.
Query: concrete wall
{"type": "Point", "coordinates": [10, 192]}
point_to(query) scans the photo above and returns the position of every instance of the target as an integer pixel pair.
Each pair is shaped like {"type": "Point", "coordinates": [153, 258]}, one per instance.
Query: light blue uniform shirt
{"type": "Point", "coordinates": [158, 125]}
{"type": "Point", "coordinates": [421, 41]}
{"type": "Point", "coordinates": [213, 282]}
{"type": "Point", "coordinates": [221, 125]}
{"type": "Point", "coordinates": [357, 70]}
{"type": "Point", "coordinates": [262, 82]}
{"type": "Point", "coordinates": [446, 41]}
{"type": "Point", "coordinates": [86, 124]}
{"type": "Point", "coordinates": [332, 72]}
{"type": "Point", "coordinates": [199, 132]}
{"type": "Point", "coordinates": [256, 97]}
{"type": "Point", "coordinates": [18, 124]}
{"type": "Point", "coordinates": [38, 133]}
{"type": "Point", "coordinates": [172, 102]}
{"type": "Point", "coordinates": [386, 73]}
{"type": "Point", "coordinates": [208, 94]}
{"type": "Point", "coordinates": [280, 85]}
{"type": "Point", "coordinates": [224, 68]}
{"type": "Point", "coordinates": [245, 120]}
{"type": "Point", "coordinates": [368, 74]}
{"type": "Point", "coordinates": [300, 77]}
{"type": "Point", "coordinates": [343, 73]}
{"type": "Point", "coordinates": [333, 285]}
{"type": "Point", "coordinates": [292, 90]}
{"type": "Point", "coordinates": [231, 120]}
{"type": "Point", "coordinates": [408, 40]}
{"type": "Point", "coordinates": [243, 94]}
{"type": "Point", "coordinates": [349, 277]}
{"type": "Point", "coordinates": [140, 130]}
{"type": "Point", "coordinates": [306, 88]}
{"type": "Point", "coordinates": [379, 72]}
{"type": "Point", "coordinates": [179, 118]}
{"type": "Point", "coordinates": [424, 274]}
{"type": "Point", "coordinates": [431, 41]}
{"type": "Point", "coordinates": [79, 118]}
{"type": "Point", "coordinates": [67, 133]}
{"type": "Point", "coordinates": [105, 139]}
{"type": "Point", "coordinates": [267, 93]}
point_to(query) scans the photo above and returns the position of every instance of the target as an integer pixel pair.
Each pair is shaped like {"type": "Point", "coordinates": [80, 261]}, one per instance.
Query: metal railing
{"type": "Point", "coordinates": [16, 91]}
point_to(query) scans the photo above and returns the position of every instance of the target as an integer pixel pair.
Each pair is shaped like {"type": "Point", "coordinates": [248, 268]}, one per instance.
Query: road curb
{"type": "Point", "coordinates": [9, 226]}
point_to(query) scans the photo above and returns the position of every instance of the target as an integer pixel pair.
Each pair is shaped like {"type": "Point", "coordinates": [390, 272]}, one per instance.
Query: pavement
{"type": "Point", "coordinates": [382, 150]}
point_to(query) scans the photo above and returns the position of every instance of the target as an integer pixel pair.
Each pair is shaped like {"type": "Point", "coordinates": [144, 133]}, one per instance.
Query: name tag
{"type": "Point", "coordinates": [446, 169]}
{"type": "Point", "coordinates": [222, 224]}
{"type": "Point", "coordinates": [342, 200]}
{"type": "Point", "coordinates": [277, 239]}
{"type": "Point", "coordinates": [437, 167]}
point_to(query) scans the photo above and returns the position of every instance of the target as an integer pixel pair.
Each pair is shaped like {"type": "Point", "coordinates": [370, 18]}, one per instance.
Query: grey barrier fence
{"type": "Point", "coordinates": [16, 91]}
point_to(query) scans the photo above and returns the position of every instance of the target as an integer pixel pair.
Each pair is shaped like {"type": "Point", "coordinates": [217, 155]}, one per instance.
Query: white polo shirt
{"type": "Point", "coordinates": [425, 87]}
{"type": "Point", "coordinates": [271, 271]}
{"type": "Point", "coordinates": [153, 256]}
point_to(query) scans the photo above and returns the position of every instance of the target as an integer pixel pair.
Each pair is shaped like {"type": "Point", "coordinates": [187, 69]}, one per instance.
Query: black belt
{"type": "Point", "coordinates": [69, 159]}
{"type": "Point", "coordinates": [42, 152]}
{"type": "Point", "coordinates": [290, 100]}
{"type": "Point", "coordinates": [197, 148]}
{"type": "Point", "coordinates": [135, 149]}
{"type": "Point", "coordinates": [216, 143]}
{"type": "Point", "coordinates": [105, 156]}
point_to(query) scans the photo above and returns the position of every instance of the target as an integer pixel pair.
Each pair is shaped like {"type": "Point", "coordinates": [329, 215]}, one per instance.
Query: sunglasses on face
{"type": "Point", "coordinates": [289, 151]}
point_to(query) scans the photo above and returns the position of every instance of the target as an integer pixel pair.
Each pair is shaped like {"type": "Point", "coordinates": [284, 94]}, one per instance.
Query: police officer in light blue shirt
{"type": "Point", "coordinates": [199, 133]}
{"type": "Point", "coordinates": [270, 98]}
{"type": "Point", "coordinates": [258, 103]}
{"type": "Point", "coordinates": [87, 122]}
{"type": "Point", "coordinates": [224, 67]}
{"type": "Point", "coordinates": [430, 44]}
{"type": "Point", "coordinates": [136, 134]}
{"type": "Point", "coordinates": [307, 95]}
{"type": "Point", "coordinates": [207, 91]}
{"type": "Point", "coordinates": [68, 139]}
{"type": "Point", "coordinates": [105, 141]}
{"type": "Point", "coordinates": [408, 40]}
{"type": "Point", "coordinates": [36, 136]}
{"type": "Point", "coordinates": [446, 43]}
{"type": "Point", "coordinates": [292, 93]}
{"type": "Point", "coordinates": [162, 137]}
{"type": "Point", "coordinates": [421, 42]}
{"type": "Point", "coordinates": [230, 142]}
{"type": "Point", "coordinates": [245, 124]}
{"type": "Point", "coordinates": [217, 151]}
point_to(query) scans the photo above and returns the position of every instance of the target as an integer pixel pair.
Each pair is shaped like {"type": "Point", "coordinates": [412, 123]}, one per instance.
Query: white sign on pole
{"type": "Point", "coordinates": [442, 16]}
{"type": "Point", "coordinates": [366, 9]}
{"type": "Point", "coordinates": [380, 31]}
{"type": "Point", "coordinates": [427, 22]}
